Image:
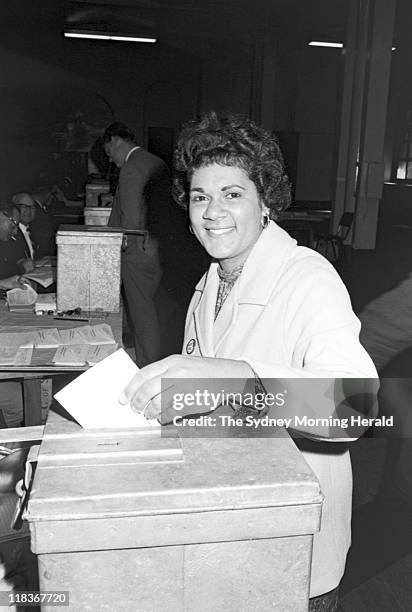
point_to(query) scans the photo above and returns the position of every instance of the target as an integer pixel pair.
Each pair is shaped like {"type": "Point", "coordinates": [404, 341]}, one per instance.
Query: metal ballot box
{"type": "Point", "coordinates": [96, 215]}
{"type": "Point", "coordinates": [88, 268]}
{"type": "Point", "coordinates": [126, 520]}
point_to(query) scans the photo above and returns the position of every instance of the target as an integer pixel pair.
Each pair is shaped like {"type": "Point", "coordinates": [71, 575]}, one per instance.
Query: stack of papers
{"type": "Point", "coordinates": [93, 398]}
{"type": "Point", "coordinates": [87, 334]}
{"type": "Point", "coordinates": [85, 345]}
{"type": "Point", "coordinates": [45, 276]}
{"type": "Point", "coordinates": [79, 346]}
{"type": "Point", "coordinates": [82, 354]}
{"type": "Point", "coordinates": [44, 271]}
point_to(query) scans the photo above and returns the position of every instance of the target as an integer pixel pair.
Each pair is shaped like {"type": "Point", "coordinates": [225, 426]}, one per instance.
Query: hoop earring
{"type": "Point", "coordinates": [265, 220]}
{"type": "Point", "coordinates": [191, 229]}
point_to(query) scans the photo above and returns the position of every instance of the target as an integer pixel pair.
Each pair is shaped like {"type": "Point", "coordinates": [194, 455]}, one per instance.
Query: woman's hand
{"type": "Point", "coordinates": [180, 385]}
{"type": "Point", "coordinates": [13, 282]}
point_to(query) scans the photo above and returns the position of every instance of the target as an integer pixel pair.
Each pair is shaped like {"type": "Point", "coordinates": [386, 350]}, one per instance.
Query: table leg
{"type": "Point", "coordinates": [32, 401]}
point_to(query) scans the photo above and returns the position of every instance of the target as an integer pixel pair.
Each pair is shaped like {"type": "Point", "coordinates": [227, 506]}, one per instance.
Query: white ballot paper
{"type": "Point", "coordinates": [71, 355]}
{"type": "Point", "coordinates": [97, 353]}
{"type": "Point", "coordinates": [47, 337]}
{"type": "Point", "coordinates": [93, 398]}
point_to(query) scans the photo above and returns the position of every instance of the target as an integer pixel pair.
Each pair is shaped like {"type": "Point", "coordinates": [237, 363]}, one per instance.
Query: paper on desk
{"type": "Point", "coordinates": [24, 355]}
{"type": "Point", "coordinates": [45, 276]}
{"type": "Point", "coordinates": [74, 335]}
{"type": "Point", "coordinates": [71, 355]}
{"type": "Point", "coordinates": [15, 355]}
{"type": "Point", "coordinates": [88, 334]}
{"type": "Point", "coordinates": [98, 334]}
{"type": "Point", "coordinates": [17, 339]}
{"type": "Point", "coordinates": [8, 355]}
{"type": "Point", "coordinates": [47, 337]}
{"type": "Point", "coordinates": [99, 352]}
{"type": "Point", "coordinates": [92, 398]}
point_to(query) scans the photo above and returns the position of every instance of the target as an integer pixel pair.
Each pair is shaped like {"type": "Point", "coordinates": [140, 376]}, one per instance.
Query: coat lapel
{"type": "Point", "coordinates": [255, 286]}
{"type": "Point", "coordinates": [256, 283]}
{"type": "Point", "coordinates": [204, 312]}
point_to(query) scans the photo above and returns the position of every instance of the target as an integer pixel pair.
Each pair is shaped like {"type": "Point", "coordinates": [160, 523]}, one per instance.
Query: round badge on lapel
{"type": "Point", "coordinates": [190, 346]}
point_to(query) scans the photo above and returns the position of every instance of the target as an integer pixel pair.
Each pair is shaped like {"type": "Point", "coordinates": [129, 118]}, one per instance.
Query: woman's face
{"type": "Point", "coordinates": [225, 213]}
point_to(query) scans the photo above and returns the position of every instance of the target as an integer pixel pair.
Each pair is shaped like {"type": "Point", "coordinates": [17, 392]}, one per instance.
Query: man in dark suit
{"type": "Point", "coordinates": [143, 192]}
{"type": "Point", "coordinates": [14, 255]}
{"type": "Point", "coordinates": [13, 260]}
{"type": "Point", "coordinates": [35, 225]}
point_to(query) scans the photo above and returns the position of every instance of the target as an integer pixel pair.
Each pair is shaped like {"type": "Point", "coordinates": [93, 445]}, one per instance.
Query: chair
{"type": "Point", "coordinates": [335, 241]}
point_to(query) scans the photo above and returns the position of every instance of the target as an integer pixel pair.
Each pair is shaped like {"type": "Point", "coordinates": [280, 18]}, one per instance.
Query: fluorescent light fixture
{"type": "Point", "coordinates": [125, 38]}
{"type": "Point", "coordinates": [320, 43]}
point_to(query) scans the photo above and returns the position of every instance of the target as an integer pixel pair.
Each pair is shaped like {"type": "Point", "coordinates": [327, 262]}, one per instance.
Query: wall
{"type": "Point", "coordinates": [304, 109]}
{"type": "Point", "coordinates": [316, 121]}
{"type": "Point", "coordinates": [46, 79]}
{"type": "Point", "coordinates": [291, 88]}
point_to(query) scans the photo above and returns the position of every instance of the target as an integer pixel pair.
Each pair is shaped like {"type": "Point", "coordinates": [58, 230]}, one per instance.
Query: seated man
{"type": "Point", "coordinates": [35, 225]}
{"type": "Point", "coordinates": [11, 401]}
{"type": "Point", "coordinates": [13, 255]}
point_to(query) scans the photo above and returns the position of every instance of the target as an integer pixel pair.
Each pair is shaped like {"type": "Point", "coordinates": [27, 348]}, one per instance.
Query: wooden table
{"type": "Point", "coordinates": [32, 375]}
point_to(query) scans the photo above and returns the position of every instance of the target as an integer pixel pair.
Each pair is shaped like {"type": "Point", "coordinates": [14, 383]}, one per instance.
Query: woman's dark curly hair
{"type": "Point", "coordinates": [232, 140]}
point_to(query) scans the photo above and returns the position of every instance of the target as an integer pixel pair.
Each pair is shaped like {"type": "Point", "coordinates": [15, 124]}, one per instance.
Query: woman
{"type": "Point", "coordinates": [266, 308]}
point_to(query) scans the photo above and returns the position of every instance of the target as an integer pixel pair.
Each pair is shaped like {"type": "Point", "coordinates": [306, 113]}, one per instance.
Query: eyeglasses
{"type": "Point", "coordinates": [13, 221]}
{"type": "Point", "coordinates": [32, 206]}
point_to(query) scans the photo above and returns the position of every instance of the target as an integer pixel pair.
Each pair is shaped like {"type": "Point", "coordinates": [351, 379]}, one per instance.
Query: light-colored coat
{"type": "Point", "coordinates": [289, 315]}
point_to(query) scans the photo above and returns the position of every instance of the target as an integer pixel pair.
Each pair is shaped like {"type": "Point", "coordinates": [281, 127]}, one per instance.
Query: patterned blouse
{"type": "Point", "coordinates": [226, 282]}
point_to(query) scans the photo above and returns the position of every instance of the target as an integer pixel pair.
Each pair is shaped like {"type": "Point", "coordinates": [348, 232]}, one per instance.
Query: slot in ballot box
{"type": "Point", "coordinates": [127, 520]}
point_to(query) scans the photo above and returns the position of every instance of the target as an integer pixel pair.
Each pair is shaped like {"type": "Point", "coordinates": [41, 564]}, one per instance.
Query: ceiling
{"type": "Point", "coordinates": [189, 25]}
{"type": "Point", "coordinates": [224, 18]}
{"type": "Point", "coordinates": [183, 22]}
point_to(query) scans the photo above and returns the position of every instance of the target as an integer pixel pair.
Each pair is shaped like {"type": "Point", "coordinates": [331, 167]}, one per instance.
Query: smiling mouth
{"type": "Point", "coordinates": [219, 232]}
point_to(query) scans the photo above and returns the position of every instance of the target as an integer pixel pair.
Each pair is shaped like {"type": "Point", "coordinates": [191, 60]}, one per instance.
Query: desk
{"type": "Point", "coordinates": [32, 374]}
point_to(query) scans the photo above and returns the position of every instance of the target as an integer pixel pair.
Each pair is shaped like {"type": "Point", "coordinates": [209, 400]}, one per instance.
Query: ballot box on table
{"type": "Point", "coordinates": [88, 268]}
{"type": "Point", "coordinates": [129, 520]}
{"type": "Point", "coordinates": [96, 191]}
{"type": "Point", "coordinates": [96, 215]}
